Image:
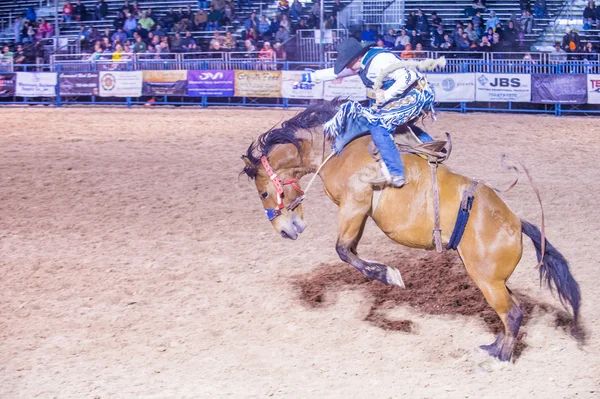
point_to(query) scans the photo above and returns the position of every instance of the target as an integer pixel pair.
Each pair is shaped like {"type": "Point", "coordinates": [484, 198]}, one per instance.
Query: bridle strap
{"type": "Point", "coordinates": [280, 184]}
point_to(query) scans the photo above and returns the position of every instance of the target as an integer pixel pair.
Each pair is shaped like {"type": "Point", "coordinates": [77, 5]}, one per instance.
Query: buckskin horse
{"type": "Point", "coordinates": [491, 244]}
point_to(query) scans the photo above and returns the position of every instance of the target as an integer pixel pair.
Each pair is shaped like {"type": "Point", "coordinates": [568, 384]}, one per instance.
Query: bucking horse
{"type": "Point", "coordinates": [488, 240]}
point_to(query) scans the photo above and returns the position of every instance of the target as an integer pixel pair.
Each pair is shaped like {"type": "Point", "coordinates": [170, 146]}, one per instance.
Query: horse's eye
{"type": "Point", "coordinates": [264, 195]}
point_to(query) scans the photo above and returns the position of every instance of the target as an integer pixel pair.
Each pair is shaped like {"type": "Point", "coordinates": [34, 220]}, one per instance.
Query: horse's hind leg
{"type": "Point", "coordinates": [491, 280]}
{"type": "Point", "coordinates": [352, 219]}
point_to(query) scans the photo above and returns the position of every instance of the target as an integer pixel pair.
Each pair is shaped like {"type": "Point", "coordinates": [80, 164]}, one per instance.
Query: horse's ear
{"type": "Point", "coordinates": [250, 169]}
{"type": "Point", "coordinates": [247, 161]}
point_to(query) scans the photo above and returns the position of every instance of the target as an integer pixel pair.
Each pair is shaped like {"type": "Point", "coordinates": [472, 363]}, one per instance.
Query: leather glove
{"type": "Point", "coordinates": [380, 96]}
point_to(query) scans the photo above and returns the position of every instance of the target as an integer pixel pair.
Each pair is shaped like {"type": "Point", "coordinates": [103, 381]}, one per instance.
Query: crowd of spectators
{"type": "Point", "coordinates": [478, 34]}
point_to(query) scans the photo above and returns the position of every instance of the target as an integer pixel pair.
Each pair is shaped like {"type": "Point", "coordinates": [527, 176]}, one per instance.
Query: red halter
{"type": "Point", "coordinates": [279, 189]}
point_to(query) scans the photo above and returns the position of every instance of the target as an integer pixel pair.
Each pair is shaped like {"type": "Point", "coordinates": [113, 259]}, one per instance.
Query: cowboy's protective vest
{"type": "Point", "coordinates": [364, 68]}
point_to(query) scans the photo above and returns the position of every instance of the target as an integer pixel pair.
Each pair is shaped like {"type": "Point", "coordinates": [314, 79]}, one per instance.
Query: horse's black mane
{"type": "Point", "coordinates": [312, 116]}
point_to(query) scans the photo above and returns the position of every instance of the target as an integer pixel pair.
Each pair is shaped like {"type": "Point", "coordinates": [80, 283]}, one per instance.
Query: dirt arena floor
{"type": "Point", "coordinates": [136, 264]}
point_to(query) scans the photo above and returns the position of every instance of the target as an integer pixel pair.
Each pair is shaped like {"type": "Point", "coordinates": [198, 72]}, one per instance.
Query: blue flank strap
{"type": "Point", "coordinates": [460, 225]}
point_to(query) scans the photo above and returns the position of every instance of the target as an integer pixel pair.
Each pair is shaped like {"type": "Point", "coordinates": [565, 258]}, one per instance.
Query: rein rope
{"type": "Point", "coordinates": [535, 189]}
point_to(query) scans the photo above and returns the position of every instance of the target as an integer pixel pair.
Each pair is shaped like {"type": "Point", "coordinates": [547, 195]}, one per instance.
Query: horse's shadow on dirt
{"type": "Point", "coordinates": [436, 284]}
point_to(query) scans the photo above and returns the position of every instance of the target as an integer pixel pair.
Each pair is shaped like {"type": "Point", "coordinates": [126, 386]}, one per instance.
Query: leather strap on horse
{"type": "Point", "coordinates": [437, 231]}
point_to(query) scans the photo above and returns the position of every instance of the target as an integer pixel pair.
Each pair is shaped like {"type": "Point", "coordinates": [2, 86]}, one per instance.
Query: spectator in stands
{"type": "Point", "coordinates": [118, 37]}
{"type": "Point", "coordinates": [139, 46]}
{"type": "Point", "coordinates": [94, 35]}
{"type": "Point", "coordinates": [485, 45]}
{"type": "Point", "coordinates": [214, 19]}
{"type": "Point", "coordinates": [464, 44]}
{"type": "Point", "coordinates": [107, 45]}
{"type": "Point", "coordinates": [29, 32]}
{"type": "Point", "coordinates": [283, 6]}
{"type": "Point", "coordinates": [177, 44]}
{"type": "Point", "coordinates": [540, 9]}
{"type": "Point", "coordinates": [331, 22]}
{"type": "Point", "coordinates": [558, 54]}
{"type": "Point", "coordinates": [80, 12]}
{"type": "Point", "coordinates": [497, 45]}
{"type": "Point", "coordinates": [315, 13]}
{"type": "Point", "coordinates": [200, 20]}
{"type": "Point", "coordinates": [407, 52]}
{"type": "Point", "coordinates": [457, 33]}
{"type": "Point", "coordinates": [119, 21]}
{"type": "Point", "coordinates": [492, 22]}
{"type": "Point", "coordinates": [251, 22]}
{"type": "Point", "coordinates": [448, 43]}
{"type": "Point", "coordinates": [101, 10]}
{"type": "Point", "coordinates": [228, 13]}
{"type": "Point", "coordinates": [280, 54]}
{"type": "Point", "coordinates": [296, 10]}
{"type": "Point", "coordinates": [146, 22]}
{"type": "Point", "coordinates": [189, 39]}
{"type": "Point", "coordinates": [510, 35]}
{"type": "Point", "coordinates": [490, 35]}
{"type": "Point", "coordinates": [478, 19]}
{"type": "Point", "coordinates": [273, 27]}
{"type": "Point", "coordinates": [19, 55]}
{"type": "Point", "coordinates": [68, 11]}
{"type": "Point", "coordinates": [250, 48]}
{"type": "Point", "coordinates": [422, 23]}
{"type": "Point", "coordinates": [126, 8]}
{"type": "Point", "coordinates": [153, 39]}
{"type": "Point", "coordinates": [229, 43]}
{"type": "Point", "coordinates": [411, 21]}
{"type": "Point", "coordinates": [83, 35]}
{"type": "Point", "coordinates": [97, 54]}
{"type": "Point", "coordinates": [571, 41]}
{"type": "Point", "coordinates": [300, 26]}
{"type": "Point", "coordinates": [589, 15]}
{"type": "Point", "coordinates": [368, 34]}
{"type": "Point", "coordinates": [415, 39]}
{"type": "Point", "coordinates": [590, 52]}
{"type": "Point", "coordinates": [266, 53]}
{"type": "Point", "coordinates": [118, 53]}
{"type": "Point", "coordinates": [438, 38]}
{"type": "Point", "coordinates": [137, 9]}
{"type": "Point", "coordinates": [471, 33]}
{"type": "Point", "coordinates": [419, 53]}
{"type": "Point", "coordinates": [401, 40]}
{"type": "Point", "coordinates": [45, 30]}
{"type": "Point", "coordinates": [159, 31]}
{"type": "Point", "coordinates": [526, 22]}
{"type": "Point", "coordinates": [336, 8]}
{"type": "Point", "coordinates": [479, 30]}
{"type": "Point", "coordinates": [6, 53]}
{"type": "Point", "coordinates": [389, 39]}
{"type": "Point", "coordinates": [436, 21]}
{"type": "Point", "coordinates": [169, 19]}
{"type": "Point", "coordinates": [252, 34]}
{"type": "Point", "coordinates": [524, 5]}
{"type": "Point", "coordinates": [285, 22]}
{"type": "Point", "coordinates": [141, 31]}
{"type": "Point", "coordinates": [283, 35]}
{"type": "Point", "coordinates": [264, 26]}
{"type": "Point", "coordinates": [130, 25]}
{"type": "Point", "coordinates": [30, 14]}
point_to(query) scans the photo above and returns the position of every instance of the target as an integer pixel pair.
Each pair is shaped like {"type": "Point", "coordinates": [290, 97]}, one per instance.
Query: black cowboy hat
{"type": "Point", "coordinates": [348, 50]}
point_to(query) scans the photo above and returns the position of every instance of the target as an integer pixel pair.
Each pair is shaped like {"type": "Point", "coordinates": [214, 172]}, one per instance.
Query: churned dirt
{"type": "Point", "coordinates": [134, 263]}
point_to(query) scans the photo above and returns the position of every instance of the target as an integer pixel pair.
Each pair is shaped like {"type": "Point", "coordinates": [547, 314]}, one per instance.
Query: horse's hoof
{"type": "Point", "coordinates": [393, 277]}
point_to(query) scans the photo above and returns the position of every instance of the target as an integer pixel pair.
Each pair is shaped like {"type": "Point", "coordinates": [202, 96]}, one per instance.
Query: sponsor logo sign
{"type": "Point", "coordinates": [293, 87]}
{"type": "Point", "coordinates": [121, 84]}
{"type": "Point", "coordinates": [498, 87]}
{"type": "Point", "coordinates": [455, 87]}
{"type": "Point", "coordinates": [258, 84]}
{"type": "Point", "coordinates": [78, 83]}
{"type": "Point", "coordinates": [36, 84]}
{"type": "Point", "coordinates": [210, 83]}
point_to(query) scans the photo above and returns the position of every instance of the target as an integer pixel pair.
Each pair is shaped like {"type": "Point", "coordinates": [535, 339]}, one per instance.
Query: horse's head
{"type": "Point", "coordinates": [279, 192]}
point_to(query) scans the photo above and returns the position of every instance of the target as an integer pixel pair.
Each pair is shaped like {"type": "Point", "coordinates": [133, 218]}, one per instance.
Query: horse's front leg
{"type": "Point", "coordinates": [352, 218]}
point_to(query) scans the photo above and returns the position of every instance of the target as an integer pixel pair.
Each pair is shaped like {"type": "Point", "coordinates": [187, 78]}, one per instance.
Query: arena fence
{"type": "Point", "coordinates": [486, 84]}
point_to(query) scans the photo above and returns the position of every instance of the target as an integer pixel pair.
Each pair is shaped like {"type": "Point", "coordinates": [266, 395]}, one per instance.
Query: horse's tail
{"type": "Point", "coordinates": [554, 271]}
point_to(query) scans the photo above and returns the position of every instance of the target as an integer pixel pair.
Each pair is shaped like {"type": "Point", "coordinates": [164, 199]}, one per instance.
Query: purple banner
{"type": "Point", "coordinates": [210, 83]}
{"type": "Point", "coordinates": [7, 84]}
{"type": "Point", "coordinates": [559, 89]}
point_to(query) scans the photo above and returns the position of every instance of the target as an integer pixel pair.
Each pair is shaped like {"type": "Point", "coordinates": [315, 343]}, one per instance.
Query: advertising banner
{"type": "Point", "coordinates": [350, 88]}
{"type": "Point", "coordinates": [502, 87]}
{"type": "Point", "coordinates": [258, 84]}
{"type": "Point", "coordinates": [291, 88]}
{"type": "Point", "coordinates": [593, 89]}
{"type": "Point", "coordinates": [210, 83]}
{"type": "Point", "coordinates": [36, 84]}
{"type": "Point", "coordinates": [559, 89]}
{"type": "Point", "coordinates": [78, 83]}
{"type": "Point", "coordinates": [452, 87]}
{"type": "Point", "coordinates": [121, 84]}
{"type": "Point", "coordinates": [163, 83]}
{"type": "Point", "coordinates": [7, 84]}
